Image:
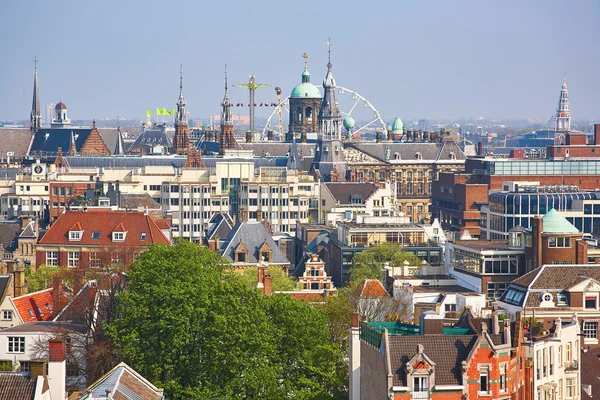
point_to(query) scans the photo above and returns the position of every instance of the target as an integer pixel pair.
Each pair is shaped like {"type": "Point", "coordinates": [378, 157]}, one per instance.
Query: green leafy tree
{"type": "Point", "coordinates": [194, 327]}
{"type": "Point", "coordinates": [281, 282]}
{"type": "Point", "coordinates": [369, 263]}
{"type": "Point", "coordinates": [42, 278]}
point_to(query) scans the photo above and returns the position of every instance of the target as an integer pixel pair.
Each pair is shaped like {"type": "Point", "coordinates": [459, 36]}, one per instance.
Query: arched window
{"type": "Point", "coordinates": [452, 156]}
{"type": "Point", "coordinates": [299, 113]}
{"type": "Point", "coordinates": [309, 114]}
{"type": "Point", "coordinates": [418, 155]}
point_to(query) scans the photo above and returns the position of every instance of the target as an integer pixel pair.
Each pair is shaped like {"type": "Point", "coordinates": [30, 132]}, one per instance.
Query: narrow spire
{"type": "Point", "coordinates": [120, 146]}
{"type": "Point", "coordinates": [36, 113]}
{"type": "Point", "coordinates": [226, 80]}
{"type": "Point", "coordinates": [329, 54]}
{"type": "Point", "coordinates": [181, 79]}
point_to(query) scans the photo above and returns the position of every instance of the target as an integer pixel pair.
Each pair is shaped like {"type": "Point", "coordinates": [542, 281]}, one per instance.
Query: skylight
{"type": "Point", "coordinates": [143, 236]}
{"type": "Point", "coordinates": [95, 235]}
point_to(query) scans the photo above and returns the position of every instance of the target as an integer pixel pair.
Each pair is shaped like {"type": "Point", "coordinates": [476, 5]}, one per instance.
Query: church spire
{"type": "Point", "coordinates": [330, 118]}
{"type": "Point", "coordinates": [181, 141]}
{"type": "Point", "coordinates": [563, 113]}
{"type": "Point", "coordinates": [226, 115]}
{"type": "Point", "coordinates": [226, 137]}
{"type": "Point", "coordinates": [36, 113]}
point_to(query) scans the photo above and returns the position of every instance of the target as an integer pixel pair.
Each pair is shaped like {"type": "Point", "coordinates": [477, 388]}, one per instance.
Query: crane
{"type": "Point", "coordinates": [252, 86]}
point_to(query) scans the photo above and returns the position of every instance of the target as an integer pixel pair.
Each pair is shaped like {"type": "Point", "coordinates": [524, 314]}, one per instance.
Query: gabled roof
{"type": "Point", "coordinates": [48, 140]}
{"type": "Point", "coordinates": [4, 286]}
{"type": "Point", "coordinates": [76, 227]}
{"type": "Point", "coordinates": [448, 353]}
{"type": "Point", "coordinates": [254, 235]}
{"type": "Point", "coordinates": [407, 151]}
{"type": "Point", "coordinates": [149, 137]}
{"type": "Point", "coordinates": [15, 140]}
{"type": "Point", "coordinates": [105, 222]}
{"type": "Point", "coordinates": [371, 288]}
{"type": "Point", "coordinates": [344, 192]}
{"type": "Point", "coordinates": [29, 231]}
{"type": "Point", "coordinates": [123, 382]}
{"type": "Point", "coordinates": [15, 386]}
{"type": "Point", "coordinates": [220, 224]}
{"type": "Point", "coordinates": [38, 306]}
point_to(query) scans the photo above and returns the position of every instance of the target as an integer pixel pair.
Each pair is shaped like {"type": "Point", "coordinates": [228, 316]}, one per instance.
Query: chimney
{"type": "Point", "coordinates": [37, 368]}
{"type": "Point", "coordinates": [537, 226]}
{"type": "Point", "coordinates": [495, 321]}
{"type": "Point", "coordinates": [303, 137]}
{"type": "Point", "coordinates": [57, 369]}
{"type": "Point", "coordinates": [118, 190]}
{"type": "Point", "coordinates": [597, 134]}
{"type": "Point", "coordinates": [19, 279]}
{"type": "Point", "coordinates": [480, 148]}
{"type": "Point", "coordinates": [57, 291]}
{"type": "Point", "coordinates": [217, 243]}
{"type": "Point", "coordinates": [268, 284]}
{"type": "Point", "coordinates": [248, 136]}
{"type": "Point", "coordinates": [283, 247]}
{"type": "Point", "coordinates": [507, 334]}
{"type": "Point", "coordinates": [270, 135]}
{"type": "Point", "coordinates": [355, 320]}
{"type": "Point", "coordinates": [379, 137]}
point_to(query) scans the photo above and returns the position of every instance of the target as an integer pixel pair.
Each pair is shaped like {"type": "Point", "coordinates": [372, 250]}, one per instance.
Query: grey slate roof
{"type": "Point", "coordinates": [16, 140]}
{"type": "Point", "coordinates": [29, 231]}
{"type": "Point", "coordinates": [138, 200]}
{"type": "Point", "coordinates": [220, 224]}
{"type": "Point", "coordinates": [278, 149]}
{"type": "Point", "coordinates": [110, 136]}
{"type": "Point", "coordinates": [48, 140]}
{"type": "Point", "coordinates": [123, 161]}
{"type": "Point", "coordinates": [9, 232]}
{"type": "Point", "coordinates": [253, 235]}
{"type": "Point", "coordinates": [154, 136]}
{"type": "Point", "coordinates": [343, 192]}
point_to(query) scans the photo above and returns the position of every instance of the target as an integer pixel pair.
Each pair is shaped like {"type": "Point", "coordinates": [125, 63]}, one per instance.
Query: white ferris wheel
{"type": "Point", "coordinates": [355, 101]}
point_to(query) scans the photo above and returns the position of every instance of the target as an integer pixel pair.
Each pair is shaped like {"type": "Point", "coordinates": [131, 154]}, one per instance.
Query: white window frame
{"type": "Point", "coordinates": [94, 260]}
{"type": "Point", "coordinates": [590, 331]}
{"type": "Point", "coordinates": [119, 236]}
{"type": "Point", "coordinates": [16, 344]}
{"type": "Point", "coordinates": [7, 315]}
{"type": "Point", "coordinates": [73, 258]}
{"type": "Point", "coordinates": [502, 379]}
{"type": "Point", "coordinates": [75, 236]}
{"type": "Point", "coordinates": [52, 258]}
{"type": "Point", "coordinates": [570, 388]}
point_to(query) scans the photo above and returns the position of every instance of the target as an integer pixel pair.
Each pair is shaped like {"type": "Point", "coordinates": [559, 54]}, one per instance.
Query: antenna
{"type": "Point", "coordinates": [35, 61]}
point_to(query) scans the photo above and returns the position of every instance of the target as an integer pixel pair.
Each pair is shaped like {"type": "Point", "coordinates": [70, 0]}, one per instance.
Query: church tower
{"type": "Point", "coordinates": [305, 100]}
{"type": "Point", "coordinates": [181, 141]}
{"type": "Point", "coordinates": [330, 118]}
{"type": "Point", "coordinates": [330, 160]}
{"type": "Point", "coordinates": [36, 113]}
{"type": "Point", "coordinates": [563, 113]}
{"type": "Point", "coordinates": [226, 139]}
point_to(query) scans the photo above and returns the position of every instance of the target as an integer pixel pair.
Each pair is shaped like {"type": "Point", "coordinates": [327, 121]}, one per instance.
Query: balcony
{"type": "Point", "coordinates": [420, 395]}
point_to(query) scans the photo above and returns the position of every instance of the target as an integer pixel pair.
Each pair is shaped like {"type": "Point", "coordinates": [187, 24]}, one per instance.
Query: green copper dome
{"type": "Point", "coordinates": [553, 222]}
{"type": "Point", "coordinates": [306, 89]}
{"type": "Point", "coordinates": [397, 125]}
{"type": "Point", "coordinates": [349, 123]}
{"type": "Point", "coordinates": [305, 73]}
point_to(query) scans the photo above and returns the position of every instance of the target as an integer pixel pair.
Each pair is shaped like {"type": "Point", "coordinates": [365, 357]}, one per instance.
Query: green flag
{"type": "Point", "coordinates": [159, 111]}
{"type": "Point", "coordinates": [148, 113]}
{"type": "Point", "coordinates": [166, 111]}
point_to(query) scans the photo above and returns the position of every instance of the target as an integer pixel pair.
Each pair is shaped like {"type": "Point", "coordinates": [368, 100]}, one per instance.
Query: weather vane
{"type": "Point", "coordinates": [305, 56]}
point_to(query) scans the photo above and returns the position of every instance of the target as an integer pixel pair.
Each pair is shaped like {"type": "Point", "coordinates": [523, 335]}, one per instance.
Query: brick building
{"type": "Point", "coordinates": [95, 238]}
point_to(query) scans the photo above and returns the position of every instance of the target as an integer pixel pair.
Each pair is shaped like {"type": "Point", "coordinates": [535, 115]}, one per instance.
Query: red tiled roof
{"type": "Point", "coordinates": [76, 227]}
{"type": "Point", "coordinates": [105, 223]}
{"type": "Point", "coordinates": [163, 224]}
{"type": "Point", "coordinates": [308, 297]}
{"type": "Point", "coordinates": [37, 306]}
{"type": "Point", "coordinates": [370, 288]}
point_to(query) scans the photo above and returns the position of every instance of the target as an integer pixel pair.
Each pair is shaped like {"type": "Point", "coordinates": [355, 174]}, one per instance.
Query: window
{"type": "Point", "coordinates": [420, 387]}
{"type": "Point", "coordinates": [450, 307]}
{"type": "Point", "coordinates": [6, 315]}
{"type": "Point", "coordinates": [95, 235]}
{"type": "Point", "coordinates": [118, 236]}
{"type": "Point", "coordinates": [570, 386]}
{"type": "Point", "coordinates": [559, 242]}
{"type": "Point", "coordinates": [266, 256]}
{"type": "Point", "coordinates": [503, 378]}
{"type": "Point", "coordinates": [590, 329]}
{"type": "Point", "coordinates": [241, 257]}
{"type": "Point", "coordinates": [75, 235]}
{"type": "Point", "coordinates": [143, 236]}
{"type": "Point", "coordinates": [484, 383]}
{"type": "Point", "coordinates": [16, 344]}
{"type": "Point", "coordinates": [94, 260]}
{"type": "Point", "coordinates": [52, 258]}
{"type": "Point", "coordinates": [73, 259]}
{"type": "Point", "coordinates": [591, 302]}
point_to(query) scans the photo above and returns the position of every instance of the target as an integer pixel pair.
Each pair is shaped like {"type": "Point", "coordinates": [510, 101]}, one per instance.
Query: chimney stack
{"type": "Point", "coordinates": [217, 243]}
{"type": "Point", "coordinates": [57, 294]}
{"type": "Point", "coordinates": [248, 136]}
{"type": "Point", "coordinates": [597, 134]}
{"type": "Point", "coordinates": [537, 226]}
{"type": "Point", "coordinates": [355, 320]}
{"type": "Point", "coordinates": [480, 148]}
{"type": "Point", "coordinates": [268, 283]}
{"type": "Point", "coordinates": [19, 279]}
{"type": "Point", "coordinates": [379, 137]}
{"type": "Point", "coordinates": [57, 369]}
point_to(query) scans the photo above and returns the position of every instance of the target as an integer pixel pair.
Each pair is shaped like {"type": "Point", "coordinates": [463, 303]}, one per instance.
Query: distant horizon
{"type": "Point", "coordinates": [448, 60]}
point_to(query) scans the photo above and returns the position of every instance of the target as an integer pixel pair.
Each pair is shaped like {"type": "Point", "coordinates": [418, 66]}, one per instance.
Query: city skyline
{"type": "Point", "coordinates": [444, 62]}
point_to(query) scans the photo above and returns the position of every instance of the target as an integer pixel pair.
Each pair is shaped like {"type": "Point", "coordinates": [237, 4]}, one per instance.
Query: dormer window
{"type": "Point", "coordinates": [418, 155]}
{"type": "Point", "coordinates": [75, 235]}
{"type": "Point", "coordinates": [118, 236]}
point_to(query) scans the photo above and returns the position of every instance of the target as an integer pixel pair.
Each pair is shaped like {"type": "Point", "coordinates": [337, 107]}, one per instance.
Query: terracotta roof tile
{"type": "Point", "coordinates": [104, 223]}
{"type": "Point", "coordinates": [38, 306]}
{"type": "Point", "coordinates": [370, 288]}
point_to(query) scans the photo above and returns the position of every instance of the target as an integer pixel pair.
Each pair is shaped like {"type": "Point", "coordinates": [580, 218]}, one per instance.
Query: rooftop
{"type": "Point", "coordinates": [483, 245]}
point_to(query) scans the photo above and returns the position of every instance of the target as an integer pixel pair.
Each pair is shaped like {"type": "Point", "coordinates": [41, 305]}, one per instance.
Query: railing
{"type": "Point", "coordinates": [421, 395]}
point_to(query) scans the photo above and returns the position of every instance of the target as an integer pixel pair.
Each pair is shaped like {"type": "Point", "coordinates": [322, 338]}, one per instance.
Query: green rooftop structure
{"type": "Point", "coordinates": [305, 89]}
{"type": "Point", "coordinates": [553, 222]}
{"type": "Point", "coordinates": [397, 125]}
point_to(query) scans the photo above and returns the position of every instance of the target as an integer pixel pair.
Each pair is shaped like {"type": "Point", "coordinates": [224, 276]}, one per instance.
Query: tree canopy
{"type": "Point", "coordinates": [369, 263]}
{"type": "Point", "coordinates": [281, 282]}
{"type": "Point", "coordinates": [195, 328]}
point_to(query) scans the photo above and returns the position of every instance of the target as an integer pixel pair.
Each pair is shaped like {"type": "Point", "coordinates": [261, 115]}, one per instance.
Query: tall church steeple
{"type": "Point", "coordinates": [226, 138]}
{"type": "Point", "coordinates": [181, 141]}
{"type": "Point", "coordinates": [330, 118]}
{"type": "Point", "coordinates": [36, 113]}
{"type": "Point", "coordinates": [563, 113]}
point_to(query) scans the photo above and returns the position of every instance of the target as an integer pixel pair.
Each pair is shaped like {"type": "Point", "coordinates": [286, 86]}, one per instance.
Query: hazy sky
{"type": "Point", "coordinates": [410, 59]}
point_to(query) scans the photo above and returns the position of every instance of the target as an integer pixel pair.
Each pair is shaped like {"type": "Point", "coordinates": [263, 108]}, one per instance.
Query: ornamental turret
{"type": "Point", "coordinates": [330, 118]}
{"type": "Point", "coordinates": [563, 113]}
{"type": "Point", "coordinates": [226, 138]}
{"type": "Point", "coordinates": [181, 141]}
